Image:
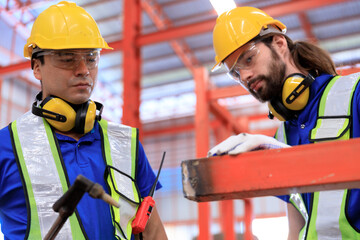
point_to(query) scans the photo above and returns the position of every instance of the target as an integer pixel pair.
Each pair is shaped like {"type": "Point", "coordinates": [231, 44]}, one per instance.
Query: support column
{"type": "Point", "coordinates": [226, 208]}
{"type": "Point", "coordinates": [249, 215]}
{"type": "Point", "coordinates": [131, 63]}
{"type": "Point", "coordinates": [227, 219]}
{"type": "Point", "coordinates": [202, 126]}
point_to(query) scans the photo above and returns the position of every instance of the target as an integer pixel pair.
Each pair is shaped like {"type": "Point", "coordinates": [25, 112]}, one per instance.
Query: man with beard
{"type": "Point", "coordinates": [298, 80]}
{"type": "Point", "coordinates": [44, 151]}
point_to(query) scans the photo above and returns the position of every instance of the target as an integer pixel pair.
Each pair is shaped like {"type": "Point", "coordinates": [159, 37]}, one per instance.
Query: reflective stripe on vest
{"type": "Point", "coordinates": [42, 175]}
{"type": "Point", "coordinates": [328, 220]}
{"type": "Point", "coordinates": [120, 146]}
{"type": "Point", "coordinates": [45, 180]}
{"type": "Point", "coordinates": [280, 134]}
{"type": "Point", "coordinates": [333, 123]}
{"type": "Point", "coordinates": [334, 113]}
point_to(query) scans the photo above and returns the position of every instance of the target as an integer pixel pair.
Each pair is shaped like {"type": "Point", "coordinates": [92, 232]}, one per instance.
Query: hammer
{"type": "Point", "coordinates": [67, 203]}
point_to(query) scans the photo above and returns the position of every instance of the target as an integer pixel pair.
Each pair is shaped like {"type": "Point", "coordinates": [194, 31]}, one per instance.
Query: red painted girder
{"type": "Point", "coordinates": [305, 168]}
{"type": "Point", "coordinates": [207, 26]}
{"type": "Point", "coordinates": [306, 25]}
{"type": "Point", "coordinates": [202, 128]}
{"type": "Point", "coordinates": [15, 67]}
{"type": "Point", "coordinates": [190, 127]}
{"type": "Point", "coordinates": [297, 6]}
{"type": "Point", "coordinates": [226, 117]}
{"type": "Point", "coordinates": [162, 22]}
{"type": "Point", "coordinates": [226, 92]}
{"type": "Point", "coordinates": [131, 64]}
{"type": "Point", "coordinates": [348, 71]}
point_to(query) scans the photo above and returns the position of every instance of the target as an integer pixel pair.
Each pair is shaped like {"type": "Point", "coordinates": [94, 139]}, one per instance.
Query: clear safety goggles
{"type": "Point", "coordinates": [71, 59]}
{"type": "Point", "coordinates": [246, 59]}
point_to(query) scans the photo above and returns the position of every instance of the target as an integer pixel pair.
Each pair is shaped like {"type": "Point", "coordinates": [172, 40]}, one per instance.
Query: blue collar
{"type": "Point", "coordinates": [94, 134]}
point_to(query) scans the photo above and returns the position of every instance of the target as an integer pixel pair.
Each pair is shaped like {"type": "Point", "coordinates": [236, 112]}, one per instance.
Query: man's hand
{"type": "Point", "coordinates": [245, 142]}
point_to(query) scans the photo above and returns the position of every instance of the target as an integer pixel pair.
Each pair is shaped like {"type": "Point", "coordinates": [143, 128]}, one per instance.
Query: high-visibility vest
{"type": "Point", "coordinates": [327, 219]}
{"type": "Point", "coordinates": [45, 179]}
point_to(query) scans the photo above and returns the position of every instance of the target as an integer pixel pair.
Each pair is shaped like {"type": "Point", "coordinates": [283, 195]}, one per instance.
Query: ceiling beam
{"type": "Point", "coordinates": [162, 21]}
{"type": "Point", "coordinates": [207, 26]}
{"type": "Point", "coordinates": [203, 27]}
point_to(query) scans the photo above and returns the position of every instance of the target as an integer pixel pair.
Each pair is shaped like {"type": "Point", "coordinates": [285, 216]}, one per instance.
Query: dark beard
{"type": "Point", "coordinates": [273, 81]}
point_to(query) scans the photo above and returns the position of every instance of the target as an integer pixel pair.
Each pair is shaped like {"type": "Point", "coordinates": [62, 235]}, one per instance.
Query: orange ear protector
{"type": "Point", "coordinates": [65, 116]}
{"type": "Point", "coordinates": [294, 97]}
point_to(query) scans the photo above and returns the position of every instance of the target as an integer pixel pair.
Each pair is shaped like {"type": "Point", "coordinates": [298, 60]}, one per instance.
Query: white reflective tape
{"type": "Point", "coordinates": [280, 134]}
{"type": "Point", "coordinates": [338, 98]}
{"type": "Point", "coordinates": [298, 202]}
{"type": "Point", "coordinates": [330, 127]}
{"type": "Point", "coordinates": [42, 171]}
{"type": "Point", "coordinates": [338, 103]}
{"type": "Point", "coordinates": [120, 149]}
{"type": "Point", "coordinates": [328, 214]}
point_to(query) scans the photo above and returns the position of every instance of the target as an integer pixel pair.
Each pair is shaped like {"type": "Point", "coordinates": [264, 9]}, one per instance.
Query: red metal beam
{"type": "Point", "coordinates": [227, 219]}
{"type": "Point", "coordinates": [307, 27]}
{"type": "Point", "coordinates": [202, 127]}
{"type": "Point", "coordinates": [297, 6]}
{"type": "Point", "coordinates": [176, 33]}
{"type": "Point", "coordinates": [190, 127]}
{"type": "Point", "coordinates": [348, 71]}
{"type": "Point", "coordinates": [304, 168]}
{"type": "Point", "coordinates": [162, 21]}
{"type": "Point", "coordinates": [248, 218]}
{"type": "Point", "coordinates": [15, 67]}
{"type": "Point", "coordinates": [131, 64]}
{"type": "Point", "coordinates": [226, 92]}
{"type": "Point", "coordinates": [227, 118]}
{"type": "Point", "coordinates": [207, 26]}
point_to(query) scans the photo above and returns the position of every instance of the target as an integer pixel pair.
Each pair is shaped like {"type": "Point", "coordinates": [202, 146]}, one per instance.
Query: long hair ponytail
{"type": "Point", "coordinates": [307, 56]}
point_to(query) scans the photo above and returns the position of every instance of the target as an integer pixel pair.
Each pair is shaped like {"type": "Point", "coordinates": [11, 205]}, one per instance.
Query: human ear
{"type": "Point", "coordinates": [279, 42]}
{"type": "Point", "coordinates": [36, 69]}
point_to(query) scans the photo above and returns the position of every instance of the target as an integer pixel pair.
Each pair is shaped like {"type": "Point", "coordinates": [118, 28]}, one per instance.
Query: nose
{"type": "Point", "coordinates": [245, 76]}
{"type": "Point", "coordinates": [81, 70]}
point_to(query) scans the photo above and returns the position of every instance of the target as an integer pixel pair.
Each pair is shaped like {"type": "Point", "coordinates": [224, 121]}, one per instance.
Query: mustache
{"type": "Point", "coordinates": [257, 78]}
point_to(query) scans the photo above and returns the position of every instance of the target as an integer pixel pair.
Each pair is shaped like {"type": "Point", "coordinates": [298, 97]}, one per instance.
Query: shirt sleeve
{"type": "Point", "coordinates": [145, 174]}
{"type": "Point", "coordinates": [356, 113]}
{"type": "Point", "coordinates": [285, 198]}
{"type": "Point", "coordinates": [13, 213]}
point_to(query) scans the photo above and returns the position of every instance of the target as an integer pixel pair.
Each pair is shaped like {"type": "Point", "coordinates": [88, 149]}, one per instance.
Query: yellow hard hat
{"type": "Point", "coordinates": [64, 26]}
{"type": "Point", "coordinates": [238, 26]}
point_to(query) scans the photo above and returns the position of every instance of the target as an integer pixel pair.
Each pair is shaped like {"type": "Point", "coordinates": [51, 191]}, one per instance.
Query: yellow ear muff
{"type": "Point", "coordinates": [275, 113]}
{"type": "Point", "coordinates": [291, 101]}
{"type": "Point", "coordinates": [85, 117]}
{"type": "Point", "coordinates": [90, 117]}
{"type": "Point", "coordinates": [59, 106]}
{"type": "Point", "coordinates": [294, 97]}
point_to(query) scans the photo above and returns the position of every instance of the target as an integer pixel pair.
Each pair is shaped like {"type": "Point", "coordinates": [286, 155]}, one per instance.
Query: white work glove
{"type": "Point", "coordinates": [245, 142]}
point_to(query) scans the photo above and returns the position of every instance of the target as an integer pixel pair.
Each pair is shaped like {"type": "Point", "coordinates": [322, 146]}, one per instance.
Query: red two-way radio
{"type": "Point", "coordinates": [143, 213]}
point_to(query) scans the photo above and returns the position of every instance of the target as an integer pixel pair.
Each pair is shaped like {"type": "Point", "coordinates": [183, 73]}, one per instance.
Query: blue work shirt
{"type": "Point", "coordinates": [80, 157]}
{"type": "Point", "coordinates": [298, 130]}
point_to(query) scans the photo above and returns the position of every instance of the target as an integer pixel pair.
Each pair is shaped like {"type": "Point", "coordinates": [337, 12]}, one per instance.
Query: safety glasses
{"type": "Point", "coordinates": [70, 59]}
{"type": "Point", "coordinates": [245, 60]}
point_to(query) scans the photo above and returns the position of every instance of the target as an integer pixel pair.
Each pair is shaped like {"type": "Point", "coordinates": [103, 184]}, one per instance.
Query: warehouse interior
{"type": "Point", "coordinates": [155, 75]}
